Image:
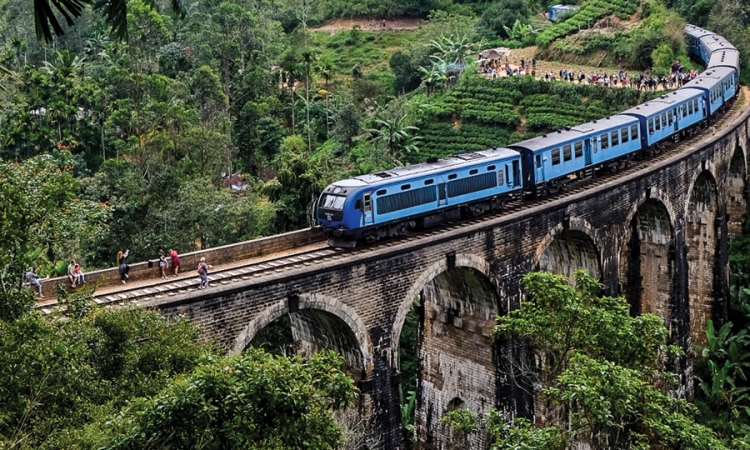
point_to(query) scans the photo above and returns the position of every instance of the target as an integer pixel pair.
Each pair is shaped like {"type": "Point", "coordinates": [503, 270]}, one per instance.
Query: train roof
{"type": "Point", "coordinates": [697, 32]}
{"type": "Point", "coordinates": [726, 57]}
{"type": "Point", "coordinates": [715, 42]}
{"type": "Point", "coordinates": [549, 140]}
{"type": "Point", "coordinates": [662, 102]}
{"type": "Point", "coordinates": [710, 78]}
{"type": "Point", "coordinates": [454, 162]}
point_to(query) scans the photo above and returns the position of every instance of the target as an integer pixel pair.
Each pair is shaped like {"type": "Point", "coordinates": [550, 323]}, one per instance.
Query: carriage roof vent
{"type": "Point", "coordinates": [383, 174]}
{"type": "Point", "coordinates": [432, 159]}
{"type": "Point", "coordinates": [567, 128]}
{"type": "Point", "coordinates": [595, 121]}
{"type": "Point", "coordinates": [559, 131]}
{"type": "Point", "coordinates": [544, 135]}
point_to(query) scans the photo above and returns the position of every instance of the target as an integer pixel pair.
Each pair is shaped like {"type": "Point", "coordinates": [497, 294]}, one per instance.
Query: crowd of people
{"type": "Point", "coordinates": [677, 77]}
{"type": "Point", "coordinates": [75, 274]}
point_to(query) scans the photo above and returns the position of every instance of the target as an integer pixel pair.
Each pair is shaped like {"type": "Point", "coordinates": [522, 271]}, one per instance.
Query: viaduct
{"type": "Point", "coordinates": [658, 236]}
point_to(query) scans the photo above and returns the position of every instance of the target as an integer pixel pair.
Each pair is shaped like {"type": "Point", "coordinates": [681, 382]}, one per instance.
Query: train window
{"type": "Point", "coordinates": [428, 182]}
{"type": "Point", "coordinates": [555, 156]}
{"type": "Point", "coordinates": [579, 149]}
{"type": "Point", "coordinates": [695, 104]}
{"type": "Point", "coordinates": [358, 205]}
{"type": "Point", "coordinates": [664, 120]}
{"type": "Point", "coordinates": [651, 126]}
{"type": "Point", "coordinates": [473, 172]}
{"type": "Point", "coordinates": [405, 187]}
{"type": "Point", "coordinates": [624, 133]}
{"type": "Point", "coordinates": [381, 192]}
{"type": "Point", "coordinates": [615, 137]}
{"type": "Point", "coordinates": [670, 118]}
{"type": "Point", "coordinates": [567, 154]}
{"type": "Point", "coordinates": [490, 168]}
{"type": "Point", "coordinates": [333, 202]}
{"type": "Point", "coordinates": [657, 121]}
{"type": "Point", "coordinates": [452, 176]}
{"type": "Point", "coordinates": [539, 161]}
{"type": "Point", "coordinates": [500, 178]}
{"type": "Point", "coordinates": [604, 141]}
{"type": "Point", "coordinates": [685, 108]}
{"type": "Point", "coordinates": [634, 131]}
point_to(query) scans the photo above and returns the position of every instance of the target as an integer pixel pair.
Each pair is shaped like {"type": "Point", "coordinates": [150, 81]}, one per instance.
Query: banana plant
{"type": "Point", "coordinates": [727, 358]}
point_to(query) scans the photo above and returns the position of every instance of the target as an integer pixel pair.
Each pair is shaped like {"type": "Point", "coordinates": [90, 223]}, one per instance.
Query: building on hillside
{"type": "Point", "coordinates": [558, 10]}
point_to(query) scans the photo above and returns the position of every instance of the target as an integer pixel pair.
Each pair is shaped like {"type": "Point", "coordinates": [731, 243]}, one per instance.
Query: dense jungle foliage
{"type": "Point", "coordinates": [130, 130]}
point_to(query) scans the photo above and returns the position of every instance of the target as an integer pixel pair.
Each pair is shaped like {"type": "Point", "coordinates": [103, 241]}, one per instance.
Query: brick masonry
{"type": "Point", "coordinates": [658, 236]}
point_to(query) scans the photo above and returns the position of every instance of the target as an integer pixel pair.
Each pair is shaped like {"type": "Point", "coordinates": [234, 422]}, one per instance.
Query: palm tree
{"type": "Point", "coordinates": [435, 75]}
{"type": "Point", "coordinates": [397, 137]}
{"type": "Point", "coordinates": [308, 58]}
{"type": "Point", "coordinates": [454, 50]}
{"type": "Point", "coordinates": [326, 68]}
{"type": "Point", "coordinates": [115, 12]}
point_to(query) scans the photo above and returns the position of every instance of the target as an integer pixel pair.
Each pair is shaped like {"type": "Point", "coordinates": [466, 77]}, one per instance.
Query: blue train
{"type": "Point", "coordinates": [393, 202]}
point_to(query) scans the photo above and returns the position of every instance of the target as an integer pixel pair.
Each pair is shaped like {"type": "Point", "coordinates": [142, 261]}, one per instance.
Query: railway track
{"type": "Point", "coordinates": [318, 253]}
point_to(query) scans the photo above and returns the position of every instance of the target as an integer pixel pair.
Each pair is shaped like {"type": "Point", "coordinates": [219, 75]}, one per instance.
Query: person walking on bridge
{"type": "Point", "coordinates": [203, 273]}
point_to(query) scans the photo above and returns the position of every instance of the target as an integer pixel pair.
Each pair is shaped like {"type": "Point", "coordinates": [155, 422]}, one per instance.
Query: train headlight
{"type": "Point", "coordinates": [336, 190]}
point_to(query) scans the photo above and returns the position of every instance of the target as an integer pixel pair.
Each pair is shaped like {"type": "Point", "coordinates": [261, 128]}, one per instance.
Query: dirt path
{"type": "Point", "coordinates": [371, 25]}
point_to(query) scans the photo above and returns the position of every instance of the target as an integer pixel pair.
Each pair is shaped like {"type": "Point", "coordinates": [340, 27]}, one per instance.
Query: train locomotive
{"type": "Point", "coordinates": [369, 207]}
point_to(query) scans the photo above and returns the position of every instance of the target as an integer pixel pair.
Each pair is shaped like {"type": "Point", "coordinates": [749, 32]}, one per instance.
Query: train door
{"type": "Point", "coordinates": [539, 167]}
{"type": "Point", "coordinates": [516, 173]}
{"type": "Point", "coordinates": [442, 197]}
{"type": "Point", "coordinates": [367, 215]}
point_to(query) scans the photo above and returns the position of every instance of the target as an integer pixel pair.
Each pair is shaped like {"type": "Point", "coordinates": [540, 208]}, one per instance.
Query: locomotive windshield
{"type": "Point", "coordinates": [330, 201]}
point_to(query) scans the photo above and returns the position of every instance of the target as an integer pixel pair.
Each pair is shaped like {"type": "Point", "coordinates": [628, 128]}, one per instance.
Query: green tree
{"type": "Point", "coordinates": [41, 214]}
{"type": "Point", "coordinates": [249, 401]}
{"type": "Point", "coordinates": [600, 365]}
{"type": "Point", "coordinates": [61, 377]}
{"type": "Point", "coordinates": [501, 15]}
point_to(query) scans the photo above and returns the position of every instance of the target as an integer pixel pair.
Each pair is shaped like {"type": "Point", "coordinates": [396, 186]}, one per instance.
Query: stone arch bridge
{"type": "Point", "coordinates": [659, 236]}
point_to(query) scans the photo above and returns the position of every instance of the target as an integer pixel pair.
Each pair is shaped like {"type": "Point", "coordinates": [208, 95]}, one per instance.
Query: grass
{"type": "Point", "coordinates": [370, 50]}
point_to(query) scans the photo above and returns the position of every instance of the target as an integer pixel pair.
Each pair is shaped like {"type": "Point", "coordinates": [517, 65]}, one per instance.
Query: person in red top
{"type": "Point", "coordinates": [175, 261]}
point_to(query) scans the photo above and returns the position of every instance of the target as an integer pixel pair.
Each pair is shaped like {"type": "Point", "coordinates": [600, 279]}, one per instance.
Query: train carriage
{"type": "Point", "coordinates": [726, 58]}
{"type": "Point", "coordinates": [719, 85]}
{"type": "Point", "coordinates": [667, 115]}
{"type": "Point", "coordinates": [392, 202]}
{"type": "Point", "coordinates": [713, 43]}
{"type": "Point", "coordinates": [694, 34]}
{"type": "Point", "coordinates": [555, 156]}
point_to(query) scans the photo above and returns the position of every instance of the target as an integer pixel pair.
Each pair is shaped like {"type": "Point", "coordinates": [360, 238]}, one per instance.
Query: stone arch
{"type": "Point", "coordinates": [647, 265]}
{"type": "Point", "coordinates": [457, 356]}
{"type": "Point", "coordinates": [427, 275]}
{"type": "Point", "coordinates": [736, 197]}
{"type": "Point", "coordinates": [316, 312]}
{"type": "Point", "coordinates": [702, 234]}
{"type": "Point", "coordinates": [567, 249]}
